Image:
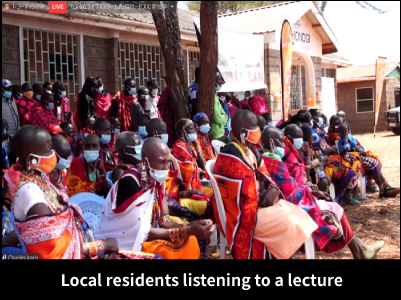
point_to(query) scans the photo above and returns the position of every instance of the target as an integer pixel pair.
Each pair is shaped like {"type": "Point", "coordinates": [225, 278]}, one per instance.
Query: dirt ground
{"type": "Point", "coordinates": [376, 219]}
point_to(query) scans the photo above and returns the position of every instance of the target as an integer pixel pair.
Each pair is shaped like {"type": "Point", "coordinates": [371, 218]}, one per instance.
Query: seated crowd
{"type": "Point", "coordinates": [151, 172]}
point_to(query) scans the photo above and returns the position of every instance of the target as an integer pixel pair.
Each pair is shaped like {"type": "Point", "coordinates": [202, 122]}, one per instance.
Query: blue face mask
{"type": "Point", "coordinates": [218, 87]}
{"type": "Point", "coordinates": [132, 91]}
{"type": "Point", "coordinates": [164, 138]}
{"type": "Point", "coordinates": [298, 143]}
{"type": "Point", "coordinates": [270, 124]}
{"type": "Point", "coordinates": [49, 92]}
{"type": "Point", "coordinates": [155, 92]}
{"type": "Point", "coordinates": [142, 130]}
{"type": "Point", "coordinates": [312, 123]}
{"type": "Point", "coordinates": [159, 175]}
{"type": "Point", "coordinates": [99, 90]}
{"type": "Point", "coordinates": [7, 94]}
{"type": "Point", "coordinates": [63, 94]}
{"type": "Point", "coordinates": [38, 97]}
{"type": "Point", "coordinates": [91, 156]}
{"type": "Point", "coordinates": [105, 139]}
{"type": "Point", "coordinates": [63, 163]}
{"type": "Point", "coordinates": [204, 128]}
{"type": "Point", "coordinates": [50, 106]}
{"type": "Point", "coordinates": [147, 97]}
{"type": "Point", "coordinates": [138, 150]}
{"type": "Point", "coordinates": [279, 151]}
{"type": "Point", "coordinates": [321, 122]}
{"type": "Point", "coordinates": [116, 130]}
{"type": "Point", "coordinates": [192, 137]}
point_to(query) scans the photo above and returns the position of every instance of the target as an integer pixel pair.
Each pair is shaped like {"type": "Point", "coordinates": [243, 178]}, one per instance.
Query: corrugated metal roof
{"type": "Point", "coordinates": [264, 19]}
{"type": "Point", "coordinates": [360, 73]}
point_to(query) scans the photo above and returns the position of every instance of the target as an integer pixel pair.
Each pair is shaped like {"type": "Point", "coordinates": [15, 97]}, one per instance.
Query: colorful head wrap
{"type": "Point", "coordinates": [198, 117]}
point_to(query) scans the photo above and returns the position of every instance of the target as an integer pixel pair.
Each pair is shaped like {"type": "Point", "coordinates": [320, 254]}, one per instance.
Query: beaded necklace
{"type": "Point", "coordinates": [50, 192]}
{"type": "Point", "coordinates": [156, 209]}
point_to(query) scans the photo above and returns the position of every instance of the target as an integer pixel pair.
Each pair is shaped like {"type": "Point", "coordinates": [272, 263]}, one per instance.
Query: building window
{"type": "Point", "coordinates": [143, 62]}
{"type": "Point", "coordinates": [50, 57]}
{"type": "Point", "coordinates": [364, 100]}
{"type": "Point", "coordinates": [298, 90]}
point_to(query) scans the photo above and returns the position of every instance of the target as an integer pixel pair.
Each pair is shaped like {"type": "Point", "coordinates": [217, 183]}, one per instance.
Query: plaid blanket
{"type": "Point", "coordinates": [300, 195]}
{"type": "Point", "coordinates": [294, 162]}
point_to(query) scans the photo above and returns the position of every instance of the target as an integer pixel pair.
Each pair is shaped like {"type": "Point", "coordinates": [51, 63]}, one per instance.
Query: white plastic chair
{"type": "Point", "coordinates": [217, 145]}
{"type": "Point", "coordinates": [362, 184]}
{"type": "Point", "coordinates": [220, 207]}
{"type": "Point", "coordinates": [310, 248]}
{"type": "Point", "coordinates": [332, 191]}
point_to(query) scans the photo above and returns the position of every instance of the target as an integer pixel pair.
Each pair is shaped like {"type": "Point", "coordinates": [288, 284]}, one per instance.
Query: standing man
{"type": "Point", "coordinates": [192, 95]}
{"type": "Point", "coordinates": [220, 118]}
{"type": "Point", "coordinates": [9, 111]}
{"type": "Point", "coordinates": [122, 103]}
{"type": "Point", "coordinates": [153, 88]}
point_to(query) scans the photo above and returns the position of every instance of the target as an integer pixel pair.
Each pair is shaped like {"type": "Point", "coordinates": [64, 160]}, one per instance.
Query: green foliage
{"type": "Point", "coordinates": [233, 6]}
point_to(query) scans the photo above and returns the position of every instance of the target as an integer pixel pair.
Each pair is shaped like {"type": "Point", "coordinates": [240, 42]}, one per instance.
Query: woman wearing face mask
{"type": "Point", "coordinates": [122, 102]}
{"type": "Point", "coordinates": [320, 141]}
{"type": "Point", "coordinates": [42, 115]}
{"type": "Point", "coordinates": [188, 157]}
{"type": "Point", "coordinates": [58, 177]}
{"type": "Point", "coordinates": [103, 130]}
{"type": "Point", "coordinates": [46, 222]}
{"type": "Point", "coordinates": [147, 102]}
{"type": "Point", "coordinates": [61, 103]}
{"type": "Point", "coordinates": [25, 104]}
{"type": "Point", "coordinates": [102, 100]}
{"type": "Point", "coordinates": [136, 210]}
{"type": "Point", "coordinates": [202, 123]}
{"type": "Point", "coordinates": [129, 149]}
{"type": "Point", "coordinates": [87, 173]}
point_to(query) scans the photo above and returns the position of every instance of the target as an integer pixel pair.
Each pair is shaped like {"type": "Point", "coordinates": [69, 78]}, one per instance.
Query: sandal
{"type": "Point", "coordinates": [389, 192]}
{"type": "Point", "coordinates": [372, 250]}
{"type": "Point", "coordinates": [372, 189]}
{"type": "Point", "coordinates": [350, 202]}
{"type": "Point", "coordinates": [361, 198]}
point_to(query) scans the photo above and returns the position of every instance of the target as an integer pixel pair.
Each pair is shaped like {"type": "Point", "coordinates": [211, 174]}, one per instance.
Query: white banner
{"type": "Point", "coordinates": [241, 60]}
{"type": "Point", "coordinates": [329, 106]}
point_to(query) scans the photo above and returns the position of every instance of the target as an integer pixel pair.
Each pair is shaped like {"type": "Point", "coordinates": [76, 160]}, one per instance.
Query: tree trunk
{"type": "Point", "coordinates": [209, 57]}
{"type": "Point", "coordinates": [169, 35]}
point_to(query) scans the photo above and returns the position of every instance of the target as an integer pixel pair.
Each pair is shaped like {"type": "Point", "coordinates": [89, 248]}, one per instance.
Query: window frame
{"type": "Point", "coordinates": [356, 100]}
